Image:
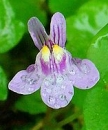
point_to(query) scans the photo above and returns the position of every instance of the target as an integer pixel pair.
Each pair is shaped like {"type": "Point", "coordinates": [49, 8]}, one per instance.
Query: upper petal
{"type": "Point", "coordinates": [26, 81]}
{"type": "Point", "coordinates": [83, 73]}
{"type": "Point", "coordinates": [37, 32]}
{"type": "Point", "coordinates": [57, 91]}
{"type": "Point", "coordinates": [58, 29]}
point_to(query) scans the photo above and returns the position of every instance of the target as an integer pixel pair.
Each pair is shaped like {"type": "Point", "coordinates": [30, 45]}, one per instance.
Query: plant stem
{"type": "Point", "coordinates": [38, 126]}
{"type": "Point", "coordinates": [68, 119]}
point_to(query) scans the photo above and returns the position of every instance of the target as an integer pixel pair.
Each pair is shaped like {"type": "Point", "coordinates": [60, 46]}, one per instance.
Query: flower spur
{"type": "Point", "coordinates": [55, 72]}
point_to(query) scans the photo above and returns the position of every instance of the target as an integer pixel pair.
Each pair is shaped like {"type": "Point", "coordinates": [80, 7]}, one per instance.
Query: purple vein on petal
{"type": "Point", "coordinates": [31, 25]}
{"type": "Point", "coordinates": [58, 34]}
{"type": "Point", "coordinates": [40, 39]}
{"type": "Point", "coordinates": [54, 35]}
{"type": "Point", "coordinates": [45, 67]}
{"type": "Point", "coordinates": [41, 36]}
{"type": "Point", "coordinates": [37, 32]}
{"type": "Point", "coordinates": [62, 64]}
{"type": "Point", "coordinates": [62, 37]}
{"type": "Point", "coordinates": [56, 67]}
{"type": "Point", "coordinates": [44, 38]}
{"type": "Point", "coordinates": [58, 29]}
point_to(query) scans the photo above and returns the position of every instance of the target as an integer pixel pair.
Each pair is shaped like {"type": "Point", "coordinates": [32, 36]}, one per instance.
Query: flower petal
{"type": "Point", "coordinates": [37, 32]}
{"type": "Point", "coordinates": [25, 82]}
{"type": "Point", "coordinates": [58, 29]}
{"type": "Point", "coordinates": [31, 68]}
{"type": "Point", "coordinates": [84, 74]}
{"type": "Point", "coordinates": [57, 91]}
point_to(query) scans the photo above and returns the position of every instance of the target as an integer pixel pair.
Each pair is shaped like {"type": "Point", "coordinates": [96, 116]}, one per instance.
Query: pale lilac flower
{"type": "Point", "coordinates": [55, 72]}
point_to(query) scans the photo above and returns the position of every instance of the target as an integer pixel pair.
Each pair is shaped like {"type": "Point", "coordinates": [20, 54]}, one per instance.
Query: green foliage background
{"type": "Point", "coordinates": [87, 37]}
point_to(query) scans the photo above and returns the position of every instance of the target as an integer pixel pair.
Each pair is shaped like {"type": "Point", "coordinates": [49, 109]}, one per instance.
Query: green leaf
{"type": "Point", "coordinates": [82, 26]}
{"type": "Point", "coordinates": [11, 30]}
{"type": "Point", "coordinates": [32, 104]}
{"type": "Point", "coordinates": [66, 7]}
{"type": "Point", "coordinates": [79, 97]}
{"type": "Point", "coordinates": [29, 8]}
{"type": "Point", "coordinates": [98, 51]}
{"type": "Point", "coordinates": [96, 104]}
{"type": "Point", "coordinates": [3, 85]}
{"type": "Point", "coordinates": [81, 29]}
{"type": "Point", "coordinates": [96, 109]}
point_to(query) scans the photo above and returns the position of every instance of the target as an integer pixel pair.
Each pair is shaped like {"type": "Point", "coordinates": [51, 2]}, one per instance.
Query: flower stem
{"type": "Point", "coordinates": [38, 126]}
{"type": "Point", "coordinates": [68, 119]}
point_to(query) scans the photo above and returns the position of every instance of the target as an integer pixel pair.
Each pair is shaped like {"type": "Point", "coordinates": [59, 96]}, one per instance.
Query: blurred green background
{"type": "Point", "coordinates": [87, 37]}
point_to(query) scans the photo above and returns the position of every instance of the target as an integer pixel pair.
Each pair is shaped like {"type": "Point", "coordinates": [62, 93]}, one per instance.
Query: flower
{"type": "Point", "coordinates": [55, 72]}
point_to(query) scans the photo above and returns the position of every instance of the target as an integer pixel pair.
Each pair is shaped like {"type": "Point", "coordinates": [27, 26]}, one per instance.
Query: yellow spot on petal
{"type": "Point", "coordinates": [45, 53]}
{"type": "Point", "coordinates": [58, 52]}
